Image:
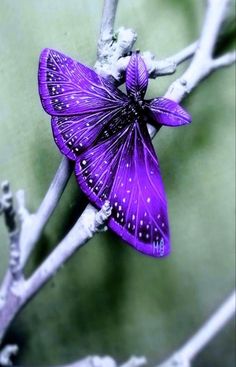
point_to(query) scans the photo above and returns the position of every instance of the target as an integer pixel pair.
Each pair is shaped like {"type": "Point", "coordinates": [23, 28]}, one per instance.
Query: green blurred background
{"type": "Point", "coordinates": [109, 299]}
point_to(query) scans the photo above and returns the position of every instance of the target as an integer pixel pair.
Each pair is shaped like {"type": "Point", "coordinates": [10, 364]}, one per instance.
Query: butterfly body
{"type": "Point", "coordinates": [105, 132]}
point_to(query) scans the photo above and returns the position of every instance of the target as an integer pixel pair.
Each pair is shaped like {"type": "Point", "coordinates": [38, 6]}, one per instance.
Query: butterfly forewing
{"type": "Point", "coordinates": [67, 87]}
{"type": "Point", "coordinates": [167, 112]}
{"type": "Point", "coordinates": [136, 77]}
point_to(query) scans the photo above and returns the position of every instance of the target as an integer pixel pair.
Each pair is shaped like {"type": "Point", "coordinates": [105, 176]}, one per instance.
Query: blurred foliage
{"type": "Point", "coordinates": [109, 299]}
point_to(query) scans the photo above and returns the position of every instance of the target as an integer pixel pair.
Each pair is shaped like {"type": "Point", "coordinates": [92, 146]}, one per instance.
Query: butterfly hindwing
{"type": "Point", "coordinates": [142, 197]}
{"type": "Point", "coordinates": [74, 134]}
{"type": "Point", "coordinates": [124, 169]}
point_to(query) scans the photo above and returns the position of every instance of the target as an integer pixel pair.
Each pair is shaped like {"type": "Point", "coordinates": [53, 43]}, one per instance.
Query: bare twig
{"type": "Point", "coordinates": [7, 208]}
{"type": "Point", "coordinates": [93, 361]}
{"type": "Point", "coordinates": [112, 46]}
{"type": "Point", "coordinates": [202, 63]}
{"type": "Point", "coordinates": [47, 207]}
{"type": "Point", "coordinates": [118, 62]}
{"type": "Point", "coordinates": [122, 44]}
{"type": "Point", "coordinates": [14, 257]}
{"type": "Point", "coordinates": [6, 353]}
{"type": "Point", "coordinates": [135, 362]}
{"type": "Point", "coordinates": [207, 332]}
{"type": "Point", "coordinates": [185, 54]}
{"type": "Point", "coordinates": [22, 211]}
{"type": "Point", "coordinates": [184, 356]}
{"type": "Point", "coordinates": [155, 66]}
{"type": "Point", "coordinates": [32, 224]}
{"type": "Point", "coordinates": [107, 25]}
{"type": "Point", "coordinates": [106, 361]}
{"type": "Point", "coordinates": [225, 60]}
{"type": "Point", "coordinates": [87, 225]}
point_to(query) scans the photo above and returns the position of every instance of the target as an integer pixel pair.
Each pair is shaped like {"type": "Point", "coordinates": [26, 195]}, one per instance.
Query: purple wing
{"type": "Point", "coordinates": [67, 87]}
{"type": "Point", "coordinates": [124, 169]}
{"type": "Point", "coordinates": [167, 112]}
{"type": "Point", "coordinates": [74, 134]}
{"type": "Point", "coordinates": [136, 77]}
{"type": "Point", "coordinates": [80, 101]}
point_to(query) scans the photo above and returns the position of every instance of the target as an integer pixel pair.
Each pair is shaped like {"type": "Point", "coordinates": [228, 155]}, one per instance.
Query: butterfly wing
{"type": "Point", "coordinates": [67, 87]}
{"type": "Point", "coordinates": [120, 164]}
{"type": "Point", "coordinates": [136, 77]}
{"type": "Point", "coordinates": [124, 169]}
{"type": "Point", "coordinates": [74, 134]}
{"type": "Point", "coordinates": [80, 101]}
{"type": "Point", "coordinates": [167, 112]}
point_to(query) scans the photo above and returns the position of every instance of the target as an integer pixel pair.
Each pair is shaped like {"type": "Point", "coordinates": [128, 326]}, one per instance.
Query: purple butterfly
{"type": "Point", "coordinates": [105, 132]}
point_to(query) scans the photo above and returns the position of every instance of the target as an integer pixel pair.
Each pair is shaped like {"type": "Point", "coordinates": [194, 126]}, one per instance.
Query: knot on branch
{"type": "Point", "coordinates": [110, 50]}
{"type": "Point", "coordinates": [103, 215]}
{"type": "Point", "coordinates": [6, 206]}
{"type": "Point", "coordinates": [97, 218]}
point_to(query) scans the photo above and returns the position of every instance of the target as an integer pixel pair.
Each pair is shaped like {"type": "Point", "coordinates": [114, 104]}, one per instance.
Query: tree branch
{"type": "Point", "coordinates": [6, 353]}
{"type": "Point", "coordinates": [106, 361]}
{"type": "Point", "coordinates": [185, 54]}
{"type": "Point", "coordinates": [32, 225]}
{"type": "Point", "coordinates": [37, 221]}
{"type": "Point", "coordinates": [8, 210]}
{"type": "Point", "coordinates": [107, 25]}
{"type": "Point", "coordinates": [202, 63]}
{"type": "Point", "coordinates": [225, 60]}
{"type": "Point", "coordinates": [184, 356]}
{"type": "Point", "coordinates": [155, 66]}
{"type": "Point", "coordinates": [112, 46]}
{"type": "Point", "coordinates": [86, 226]}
